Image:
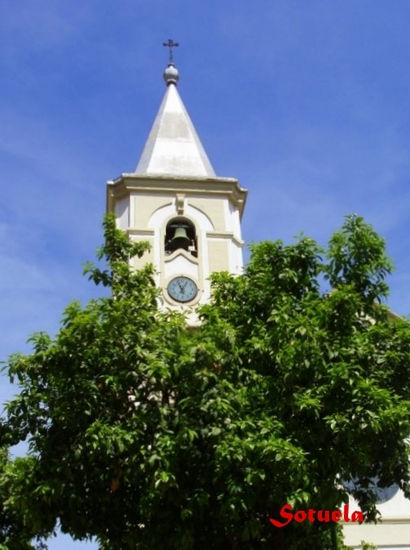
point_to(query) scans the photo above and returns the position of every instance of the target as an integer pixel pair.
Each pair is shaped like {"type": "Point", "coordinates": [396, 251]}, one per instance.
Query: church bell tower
{"type": "Point", "coordinates": [176, 202]}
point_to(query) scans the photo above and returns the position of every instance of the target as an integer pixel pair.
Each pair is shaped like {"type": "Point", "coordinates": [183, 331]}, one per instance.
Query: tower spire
{"type": "Point", "coordinates": [173, 146]}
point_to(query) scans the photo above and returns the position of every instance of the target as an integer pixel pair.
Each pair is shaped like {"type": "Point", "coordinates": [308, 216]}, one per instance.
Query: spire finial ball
{"type": "Point", "coordinates": [171, 75]}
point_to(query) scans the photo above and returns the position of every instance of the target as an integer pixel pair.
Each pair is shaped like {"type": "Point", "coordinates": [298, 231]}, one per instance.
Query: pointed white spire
{"type": "Point", "coordinates": [173, 146]}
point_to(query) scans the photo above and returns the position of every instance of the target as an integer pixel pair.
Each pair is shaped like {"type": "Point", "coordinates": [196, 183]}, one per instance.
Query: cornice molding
{"type": "Point", "coordinates": [127, 183]}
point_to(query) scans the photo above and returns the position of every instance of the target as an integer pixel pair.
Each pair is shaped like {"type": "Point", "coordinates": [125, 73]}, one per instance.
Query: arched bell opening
{"type": "Point", "coordinates": [180, 233]}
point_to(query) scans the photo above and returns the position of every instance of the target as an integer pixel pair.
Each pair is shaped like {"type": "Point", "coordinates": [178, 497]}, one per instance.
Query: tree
{"type": "Point", "coordinates": [148, 434]}
{"type": "Point", "coordinates": [14, 532]}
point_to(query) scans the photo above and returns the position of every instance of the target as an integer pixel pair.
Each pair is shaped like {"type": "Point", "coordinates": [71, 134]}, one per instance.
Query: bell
{"type": "Point", "coordinates": [180, 238]}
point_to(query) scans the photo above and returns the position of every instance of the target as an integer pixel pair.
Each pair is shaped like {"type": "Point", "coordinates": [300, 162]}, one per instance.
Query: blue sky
{"type": "Point", "coordinates": [306, 103]}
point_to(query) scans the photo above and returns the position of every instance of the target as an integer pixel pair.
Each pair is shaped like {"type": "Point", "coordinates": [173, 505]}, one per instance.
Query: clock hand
{"type": "Point", "coordinates": [181, 288]}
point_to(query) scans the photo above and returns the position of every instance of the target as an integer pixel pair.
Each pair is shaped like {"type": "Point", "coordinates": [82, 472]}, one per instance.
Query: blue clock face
{"type": "Point", "coordinates": [182, 289]}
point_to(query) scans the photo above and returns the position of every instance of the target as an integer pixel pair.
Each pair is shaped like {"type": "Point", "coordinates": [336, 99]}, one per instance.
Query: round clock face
{"type": "Point", "coordinates": [182, 289]}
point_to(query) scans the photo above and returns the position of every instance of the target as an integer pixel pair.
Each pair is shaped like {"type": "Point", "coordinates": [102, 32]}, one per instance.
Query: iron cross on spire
{"type": "Point", "coordinates": [171, 44]}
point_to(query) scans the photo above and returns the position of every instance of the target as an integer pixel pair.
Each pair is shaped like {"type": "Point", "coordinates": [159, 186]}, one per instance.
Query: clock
{"type": "Point", "coordinates": [182, 289]}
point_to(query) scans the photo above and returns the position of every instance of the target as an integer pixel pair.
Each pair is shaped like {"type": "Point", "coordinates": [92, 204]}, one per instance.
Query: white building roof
{"type": "Point", "coordinates": [173, 146]}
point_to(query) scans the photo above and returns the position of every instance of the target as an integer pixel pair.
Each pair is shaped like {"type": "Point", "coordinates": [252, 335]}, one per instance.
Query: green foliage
{"type": "Point", "coordinates": [14, 531]}
{"type": "Point", "coordinates": [358, 260]}
{"type": "Point", "coordinates": [147, 434]}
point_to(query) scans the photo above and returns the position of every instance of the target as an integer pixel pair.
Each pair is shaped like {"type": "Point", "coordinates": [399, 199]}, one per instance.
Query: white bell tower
{"type": "Point", "coordinates": [174, 200]}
